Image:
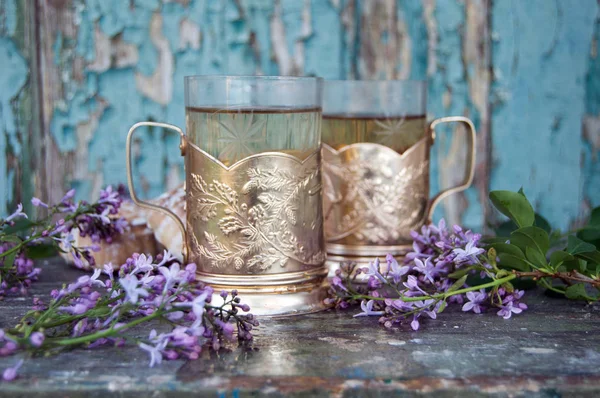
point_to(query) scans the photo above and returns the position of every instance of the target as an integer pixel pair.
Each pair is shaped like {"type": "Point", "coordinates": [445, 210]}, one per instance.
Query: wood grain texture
{"type": "Point", "coordinates": [591, 124]}
{"type": "Point", "coordinates": [532, 89]}
{"type": "Point", "coordinates": [541, 54]}
{"type": "Point", "coordinates": [551, 350]}
{"type": "Point", "coordinates": [18, 132]}
{"type": "Point", "coordinates": [458, 75]}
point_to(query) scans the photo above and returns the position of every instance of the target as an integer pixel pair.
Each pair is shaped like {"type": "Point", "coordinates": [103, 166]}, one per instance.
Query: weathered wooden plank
{"type": "Point", "coordinates": [106, 64]}
{"type": "Point", "coordinates": [541, 52]}
{"type": "Point", "coordinates": [591, 124]}
{"type": "Point", "coordinates": [393, 40]}
{"type": "Point", "coordinates": [18, 126]}
{"type": "Point", "coordinates": [459, 81]}
{"type": "Point", "coordinates": [552, 349]}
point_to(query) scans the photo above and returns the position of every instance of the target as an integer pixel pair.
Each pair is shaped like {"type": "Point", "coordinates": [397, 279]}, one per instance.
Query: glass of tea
{"type": "Point", "coordinates": [253, 188]}
{"type": "Point", "coordinates": [376, 144]}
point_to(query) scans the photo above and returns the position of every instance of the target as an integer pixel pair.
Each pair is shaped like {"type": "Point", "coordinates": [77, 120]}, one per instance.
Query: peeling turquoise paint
{"type": "Point", "coordinates": [450, 78]}
{"type": "Point", "coordinates": [107, 150]}
{"type": "Point", "coordinates": [323, 47]}
{"type": "Point", "coordinates": [545, 81]}
{"type": "Point", "coordinates": [411, 12]}
{"type": "Point", "coordinates": [10, 17]}
{"type": "Point", "coordinates": [540, 58]}
{"type": "Point", "coordinates": [591, 154]}
{"type": "Point", "coordinates": [13, 75]}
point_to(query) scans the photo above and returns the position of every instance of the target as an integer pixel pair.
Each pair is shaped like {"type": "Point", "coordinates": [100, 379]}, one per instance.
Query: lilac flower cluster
{"type": "Point", "coordinates": [433, 275]}
{"type": "Point", "coordinates": [97, 220]}
{"type": "Point", "coordinates": [16, 279]}
{"type": "Point", "coordinates": [97, 309]}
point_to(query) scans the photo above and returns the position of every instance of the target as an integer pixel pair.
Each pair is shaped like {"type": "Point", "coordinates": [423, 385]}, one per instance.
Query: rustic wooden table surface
{"type": "Point", "coordinates": [553, 349]}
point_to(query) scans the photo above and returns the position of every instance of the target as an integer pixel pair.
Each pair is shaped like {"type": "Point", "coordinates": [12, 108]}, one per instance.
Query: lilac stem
{"type": "Point", "coordinates": [444, 296]}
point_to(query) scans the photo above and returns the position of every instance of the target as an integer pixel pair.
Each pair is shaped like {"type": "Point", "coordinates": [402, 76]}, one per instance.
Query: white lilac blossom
{"type": "Point", "coordinates": [432, 277]}
{"type": "Point", "coordinates": [367, 307]}
{"type": "Point", "coordinates": [99, 309]}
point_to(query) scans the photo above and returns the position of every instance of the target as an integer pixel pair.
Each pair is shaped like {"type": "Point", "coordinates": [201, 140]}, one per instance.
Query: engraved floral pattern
{"type": "Point", "coordinates": [372, 199]}
{"type": "Point", "coordinates": [260, 235]}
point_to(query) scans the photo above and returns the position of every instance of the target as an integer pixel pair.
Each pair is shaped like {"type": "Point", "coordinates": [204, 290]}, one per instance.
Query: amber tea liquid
{"type": "Point", "coordinates": [397, 132]}
{"type": "Point", "coordinates": [233, 134]}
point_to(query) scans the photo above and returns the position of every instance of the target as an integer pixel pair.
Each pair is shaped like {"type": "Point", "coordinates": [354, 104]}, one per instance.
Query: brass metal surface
{"type": "Point", "coordinates": [373, 196]}
{"type": "Point", "coordinates": [132, 193]}
{"type": "Point", "coordinates": [255, 226]}
{"type": "Point", "coordinates": [262, 215]}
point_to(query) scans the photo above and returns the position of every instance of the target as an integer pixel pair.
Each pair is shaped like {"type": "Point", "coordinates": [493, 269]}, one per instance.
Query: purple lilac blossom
{"type": "Point", "coordinates": [142, 288]}
{"type": "Point", "coordinates": [11, 373]}
{"type": "Point", "coordinates": [374, 271]}
{"type": "Point", "coordinates": [36, 339]}
{"type": "Point", "coordinates": [476, 299]}
{"type": "Point", "coordinates": [17, 214]}
{"type": "Point", "coordinates": [395, 270]}
{"type": "Point", "coordinates": [469, 253]}
{"type": "Point", "coordinates": [89, 219]}
{"type": "Point", "coordinates": [19, 277]}
{"type": "Point", "coordinates": [38, 203]}
{"type": "Point", "coordinates": [437, 252]}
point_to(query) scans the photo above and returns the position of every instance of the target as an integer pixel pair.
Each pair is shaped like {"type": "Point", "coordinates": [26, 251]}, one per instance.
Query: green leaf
{"type": "Point", "coordinates": [535, 257]}
{"type": "Point", "coordinates": [21, 224]}
{"type": "Point", "coordinates": [41, 251]}
{"type": "Point", "coordinates": [505, 228]}
{"type": "Point", "coordinates": [558, 257]}
{"type": "Point", "coordinates": [10, 238]}
{"type": "Point", "coordinates": [541, 222]}
{"type": "Point", "coordinates": [534, 237]}
{"type": "Point", "coordinates": [515, 206]}
{"type": "Point", "coordinates": [591, 257]}
{"type": "Point", "coordinates": [460, 273]}
{"type": "Point", "coordinates": [595, 217]}
{"type": "Point", "coordinates": [577, 246]}
{"type": "Point", "coordinates": [513, 262]}
{"type": "Point", "coordinates": [458, 284]}
{"type": "Point", "coordinates": [442, 307]}
{"type": "Point", "coordinates": [493, 240]}
{"type": "Point", "coordinates": [589, 234]}
{"type": "Point", "coordinates": [509, 226]}
{"type": "Point", "coordinates": [576, 264]}
{"type": "Point", "coordinates": [578, 292]}
{"type": "Point", "coordinates": [510, 249]}
{"type": "Point", "coordinates": [9, 260]}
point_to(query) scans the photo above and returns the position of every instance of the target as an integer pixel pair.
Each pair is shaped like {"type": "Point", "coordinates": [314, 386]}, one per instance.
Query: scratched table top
{"type": "Point", "coordinates": [552, 349]}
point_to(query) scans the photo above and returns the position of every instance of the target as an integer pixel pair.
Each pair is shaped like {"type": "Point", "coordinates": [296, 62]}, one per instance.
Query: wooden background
{"type": "Point", "coordinates": [75, 74]}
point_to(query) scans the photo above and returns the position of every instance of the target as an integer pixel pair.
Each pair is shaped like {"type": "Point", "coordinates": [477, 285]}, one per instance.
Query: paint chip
{"type": "Point", "coordinates": [396, 343]}
{"type": "Point", "coordinates": [538, 350]}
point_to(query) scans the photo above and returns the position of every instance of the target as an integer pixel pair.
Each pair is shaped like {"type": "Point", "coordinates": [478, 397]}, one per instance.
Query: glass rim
{"type": "Point", "coordinates": [254, 77]}
{"type": "Point", "coordinates": [372, 81]}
